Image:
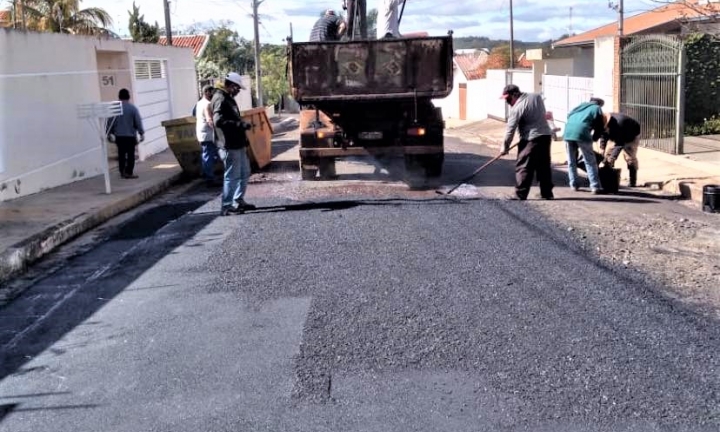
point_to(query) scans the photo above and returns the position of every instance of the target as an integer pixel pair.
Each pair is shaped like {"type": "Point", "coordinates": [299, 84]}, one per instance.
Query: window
{"type": "Point", "coordinates": [149, 69]}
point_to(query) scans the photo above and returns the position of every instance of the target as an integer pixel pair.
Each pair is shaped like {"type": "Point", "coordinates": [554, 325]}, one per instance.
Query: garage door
{"type": "Point", "coordinates": [152, 97]}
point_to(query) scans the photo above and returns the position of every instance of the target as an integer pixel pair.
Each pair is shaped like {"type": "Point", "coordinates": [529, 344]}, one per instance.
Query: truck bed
{"type": "Point", "coordinates": [371, 69]}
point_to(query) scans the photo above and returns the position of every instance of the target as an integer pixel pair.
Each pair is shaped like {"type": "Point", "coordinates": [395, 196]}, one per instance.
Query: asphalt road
{"type": "Point", "coordinates": [346, 311]}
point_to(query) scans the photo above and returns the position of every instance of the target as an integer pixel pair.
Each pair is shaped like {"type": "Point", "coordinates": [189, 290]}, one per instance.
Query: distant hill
{"type": "Point", "coordinates": [477, 42]}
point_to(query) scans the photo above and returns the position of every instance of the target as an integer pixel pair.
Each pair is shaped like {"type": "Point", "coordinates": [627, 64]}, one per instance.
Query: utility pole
{"type": "Point", "coordinates": [14, 13]}
{"type": "Point", "coordinates": [621, 18]}
{"type": "Point", "coordinates": [512, 39]}
{"type": "Point", "coordinates": [258, 75]}
{"type": "Point", "coordinates": [22, 14]}
{"type": "Point", "coordinates": [570, 28]}
{"type": "Point", "coordinates": [168, 27]}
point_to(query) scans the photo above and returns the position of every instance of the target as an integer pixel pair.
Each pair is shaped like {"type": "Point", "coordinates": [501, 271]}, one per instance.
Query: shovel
{"type": "Point", "coordinates": [476, 172]}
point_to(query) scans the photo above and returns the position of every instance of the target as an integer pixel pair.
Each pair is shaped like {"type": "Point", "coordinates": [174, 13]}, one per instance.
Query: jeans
{"type": "Point", "coordinates": [209, 157]}
{"type": "Point", "coordinates": [591, 167]}
{"type": "Point", "coordinates": [237, 174]}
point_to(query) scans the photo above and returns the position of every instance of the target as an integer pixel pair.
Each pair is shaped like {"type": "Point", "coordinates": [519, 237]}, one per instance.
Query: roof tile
{"type": "Point", "coordinates": [196, 42]}
{"type": "Point", "coordinates": [642, 22]}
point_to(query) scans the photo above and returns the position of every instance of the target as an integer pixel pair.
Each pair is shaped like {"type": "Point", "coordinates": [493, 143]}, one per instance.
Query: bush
{"type": "Point", "coordinates": [709, 126]}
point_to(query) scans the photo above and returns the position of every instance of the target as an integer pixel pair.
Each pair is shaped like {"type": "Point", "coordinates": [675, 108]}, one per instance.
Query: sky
{"type": "Point", "coordinates": [534, 20]}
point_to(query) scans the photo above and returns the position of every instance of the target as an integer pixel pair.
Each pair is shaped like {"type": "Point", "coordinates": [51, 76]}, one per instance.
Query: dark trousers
{"type": "Point", "coordinates": [534, 160]}
{"type": "Point", "coordinates": [126, 154]}
{"type": "Point", "coordinates": [359, 8]}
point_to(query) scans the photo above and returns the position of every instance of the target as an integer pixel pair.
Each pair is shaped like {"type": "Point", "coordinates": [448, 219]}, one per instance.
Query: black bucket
{"type": "Point", "coordinates": [610, 179]}
{"type": "Point", "coordinates": [711, 198]}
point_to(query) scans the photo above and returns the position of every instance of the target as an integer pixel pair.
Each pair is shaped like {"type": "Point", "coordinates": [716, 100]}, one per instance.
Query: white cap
{"type": "Point", "coordinates": [235, 77]}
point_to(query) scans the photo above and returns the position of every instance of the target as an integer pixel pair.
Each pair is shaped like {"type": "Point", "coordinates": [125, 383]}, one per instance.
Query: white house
{"type": "Point", "coordinates": [43, 79]}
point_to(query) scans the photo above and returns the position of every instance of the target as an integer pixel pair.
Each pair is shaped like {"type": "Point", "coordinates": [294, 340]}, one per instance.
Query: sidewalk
{"type": "Point", "coordinates": [32, 226]}
{"type": "Point", "coordinates": [677, 175]}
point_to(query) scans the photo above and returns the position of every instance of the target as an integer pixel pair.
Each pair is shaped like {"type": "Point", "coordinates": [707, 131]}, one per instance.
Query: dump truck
{"type": "Point", "coordinates": [371, 98]}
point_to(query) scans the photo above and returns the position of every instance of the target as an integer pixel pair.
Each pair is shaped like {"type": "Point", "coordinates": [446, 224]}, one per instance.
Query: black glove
{"type": "Point", "coordinates": [247, 126]}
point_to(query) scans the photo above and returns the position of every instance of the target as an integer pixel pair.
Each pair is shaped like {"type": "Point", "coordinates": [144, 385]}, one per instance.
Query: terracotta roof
{"type": "Point", "coordinates": [523, 62]}
{"type": "Point", "coordinates": [196, 42]}
{"type": "Point", "coordinates": [662, 16]}
{"type": "Point", "coordinates": [5, 16]}
{"type": "Point", "coordinates": [471, 65]}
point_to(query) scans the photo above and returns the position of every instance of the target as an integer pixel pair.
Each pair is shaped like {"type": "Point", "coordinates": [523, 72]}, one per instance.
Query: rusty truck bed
{"type": "Point", "coordinates": [371, 69]}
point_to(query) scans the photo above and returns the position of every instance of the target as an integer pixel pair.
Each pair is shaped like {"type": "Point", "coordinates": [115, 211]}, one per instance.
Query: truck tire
{"type": "Point", "coordinates": [308, 170]}
{"type": "Point", "coordinates": [433, 165]}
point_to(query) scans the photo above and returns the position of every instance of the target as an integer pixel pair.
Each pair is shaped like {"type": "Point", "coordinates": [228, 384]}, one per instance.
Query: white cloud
{"type": "Point", "coordinates": [535, 19]}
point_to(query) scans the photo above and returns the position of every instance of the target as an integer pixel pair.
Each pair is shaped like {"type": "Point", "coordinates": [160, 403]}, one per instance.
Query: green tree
{"type": "Point", "coordinates": [229, 51]}
{"type": "Point", "coordinates": [65, 16]}
{"type": "Point", "coordinates": [372, 23]}
{"type": "Point", "coordinates": [141, 31]}
{"type": "Point", "coordinates": [275, 85]}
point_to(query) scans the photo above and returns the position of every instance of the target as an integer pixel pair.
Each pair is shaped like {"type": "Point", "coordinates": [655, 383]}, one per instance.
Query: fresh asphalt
{"type": "Point", "coordinates": [360, 314]}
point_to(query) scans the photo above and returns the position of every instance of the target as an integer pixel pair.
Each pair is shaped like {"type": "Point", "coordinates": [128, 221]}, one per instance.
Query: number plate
{"type": "Point", "coordinates": [370, 135]}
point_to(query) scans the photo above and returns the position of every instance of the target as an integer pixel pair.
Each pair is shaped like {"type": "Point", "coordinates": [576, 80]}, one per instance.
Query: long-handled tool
{"type": "Point", "coordinates": [476, 172]}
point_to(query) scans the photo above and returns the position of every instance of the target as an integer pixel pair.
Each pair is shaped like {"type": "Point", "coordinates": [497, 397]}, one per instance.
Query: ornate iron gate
{"type": "Point", "coordinates": [651, 89]}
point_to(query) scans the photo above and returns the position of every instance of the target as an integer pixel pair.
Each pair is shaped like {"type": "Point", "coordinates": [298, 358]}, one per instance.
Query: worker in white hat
{"type": "Point", "coordinates": [232, 144]}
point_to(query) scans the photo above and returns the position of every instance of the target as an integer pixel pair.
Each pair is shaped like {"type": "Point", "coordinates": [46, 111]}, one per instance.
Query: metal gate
{"type": "Point", "coordinates": [651, 89]}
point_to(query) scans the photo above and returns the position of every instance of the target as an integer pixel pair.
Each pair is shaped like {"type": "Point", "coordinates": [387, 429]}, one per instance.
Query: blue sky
{"type": "Point", "coordinates": [534, 19]}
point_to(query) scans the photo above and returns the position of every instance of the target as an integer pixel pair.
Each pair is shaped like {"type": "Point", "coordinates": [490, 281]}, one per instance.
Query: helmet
{"type": "Point", "coordinates": [235, 77]}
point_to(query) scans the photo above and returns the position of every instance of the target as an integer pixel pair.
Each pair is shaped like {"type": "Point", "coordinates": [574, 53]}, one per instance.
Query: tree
{"type": "Point", "coordinates": [141, 31]}
{"type": "Point", "coordinates": [372, 23]}
{"type": "Point", "coordinates": [65, 16]}
{"type": "Point", "coordinates": [229, 51]}
{"type": "Point", "coordinates": [274, 80]}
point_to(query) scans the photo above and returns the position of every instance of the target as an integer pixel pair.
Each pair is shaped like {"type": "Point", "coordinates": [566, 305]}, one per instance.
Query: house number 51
{"type": "Point", "coordinates": [108, 80]}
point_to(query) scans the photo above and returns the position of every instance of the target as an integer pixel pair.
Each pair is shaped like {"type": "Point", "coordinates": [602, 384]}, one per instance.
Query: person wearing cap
{"type": "Point", "coordinates": [232, 144]}
{"type": "Point", "coordinates": [585, 124]}
{"type": "Point", "coordinates": [527, 117]}
{"type": "Point", "coordinates": [204, 129]}
{"type": "Point", "coordinates": [329, 27]}
{"type": "Point", "coordinates": [624, 132]}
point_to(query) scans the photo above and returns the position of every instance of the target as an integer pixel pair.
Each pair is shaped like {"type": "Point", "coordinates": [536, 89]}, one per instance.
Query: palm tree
{"type": "Point", "coordinates": [65, 16]}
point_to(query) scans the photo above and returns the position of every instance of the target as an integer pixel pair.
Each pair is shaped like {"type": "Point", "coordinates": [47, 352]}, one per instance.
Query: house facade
{"type": "Point", "coordinates": [44, 77]}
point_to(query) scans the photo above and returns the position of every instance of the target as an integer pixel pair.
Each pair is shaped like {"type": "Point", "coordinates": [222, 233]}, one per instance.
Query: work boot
{"type": "Point", "coordinates": [633, 176]}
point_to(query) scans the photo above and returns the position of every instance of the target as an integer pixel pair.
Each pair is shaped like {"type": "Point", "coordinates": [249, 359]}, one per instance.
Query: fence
{"type": "Point", "coordinates": [563, 93]}
{"type": "Point", "coordinates": [497, 79]}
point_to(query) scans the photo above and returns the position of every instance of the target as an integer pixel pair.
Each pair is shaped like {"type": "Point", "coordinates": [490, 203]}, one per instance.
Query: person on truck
{"type": "Point", "coordinates": [356, 17]}
{"type": "Point", "coordinates": [585, 124]}
{"type": "Point", "coordinates": [527, 115]}
{"type": "Point", "coordinates": [329, 27]}
{"type": "Point", "coordinates": [232, 144]}
{"type": "Point", "coordinates": [388, 19]}
{"type": "Point", "coordinates": [624, 132]}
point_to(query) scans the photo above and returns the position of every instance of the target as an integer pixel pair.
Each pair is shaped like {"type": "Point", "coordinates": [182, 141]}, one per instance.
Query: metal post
{"type": "Point", "coordinates": [680, 111]}
{"type": "Point", "coordinates": [168, 27]}
{"type": "Point", "coordinates": [621, 18]}
{"type": "Point", "coordinates": [258, 72]}
{"type": "Point", "coordinates": [512, 38]}
{"type": "Point", "coordinates": [22, 14]}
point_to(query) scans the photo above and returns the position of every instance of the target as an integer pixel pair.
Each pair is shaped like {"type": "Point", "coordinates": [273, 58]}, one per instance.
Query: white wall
{"type": "Point", "coordinates": [43, 77]}
{"type": "Point", "coordinates": [584, 63]}
{"type": "Point", "coordinates": [477, 99]}
{"type": "Point", "coordinates": [450, 104]}
{"type": "Point", "coordinates": [603, 73]}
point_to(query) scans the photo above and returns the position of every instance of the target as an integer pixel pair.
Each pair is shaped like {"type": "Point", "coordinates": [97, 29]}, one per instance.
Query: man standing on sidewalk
{"type": "Point", "coordinates": [124, 131]}
{"type": "Point", "coordinates": [585, 124]}
{"type": "Point", "coordinates": [624, 132]}
{"type": "Point", "coordinates": [205, 134]}
{"type": "Point", "coordinates": [232, 145]}
{"type": "Point", "coordinates": [527, 114]}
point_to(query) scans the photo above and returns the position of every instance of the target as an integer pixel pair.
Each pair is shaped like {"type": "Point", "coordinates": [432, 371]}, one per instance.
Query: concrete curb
{"type": "Point", "coordinates": [683, 190]}
{"type": "Point", "coordinates": [17, 258]}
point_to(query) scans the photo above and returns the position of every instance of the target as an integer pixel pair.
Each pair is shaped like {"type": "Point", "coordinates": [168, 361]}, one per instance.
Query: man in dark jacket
{"type": "Point", "coordinates": [527, 116]}
{"type": "Point", "coordinates": [124, 131]}
{"type": "Point", "coordinates": [232, 144]}
{"type": "Point", "coordinates": [624, 132]}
